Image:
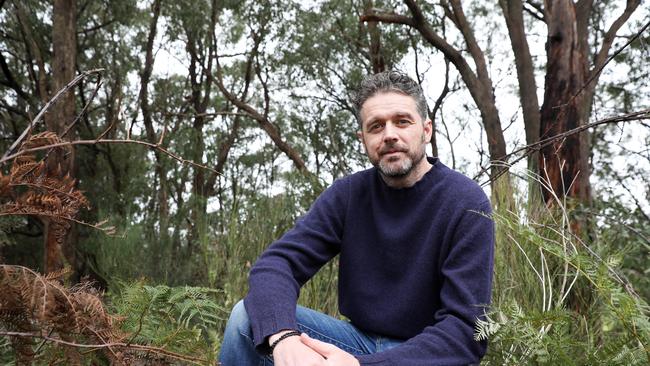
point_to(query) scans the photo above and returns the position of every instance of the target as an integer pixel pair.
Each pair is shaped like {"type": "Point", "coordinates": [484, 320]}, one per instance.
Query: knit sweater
{"type": "Point", "coordinates": [415, 264]}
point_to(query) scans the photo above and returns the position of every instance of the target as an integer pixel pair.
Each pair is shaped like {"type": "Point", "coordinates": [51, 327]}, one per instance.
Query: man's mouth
{"type": "Point", "coordinates": [392, 152]}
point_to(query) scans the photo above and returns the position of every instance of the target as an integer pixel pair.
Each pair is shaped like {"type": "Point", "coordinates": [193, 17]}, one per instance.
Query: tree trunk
{"type": "Point", "coordinates": [59, 244]}
{"type": "Point", "coordinates": [145, 77]}
{"type": "Point", "coordinates": [513, 14]}
{"type": "Point", "coordinates": [201, 81]}
{"type": "Point", "coordinates": [564, 163]}
{"type": "Point", "coordinates": [376, 57]}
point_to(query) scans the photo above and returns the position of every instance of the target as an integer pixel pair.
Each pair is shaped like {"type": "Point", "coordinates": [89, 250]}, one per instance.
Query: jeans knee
{"type": "Point", "coordinates": [237, 347]}
{"type": "Point", "coordinates": [239, 321]}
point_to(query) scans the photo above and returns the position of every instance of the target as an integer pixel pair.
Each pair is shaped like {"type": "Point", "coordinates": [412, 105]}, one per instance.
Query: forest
{"type": "Point", "coordinates": [152, 149]}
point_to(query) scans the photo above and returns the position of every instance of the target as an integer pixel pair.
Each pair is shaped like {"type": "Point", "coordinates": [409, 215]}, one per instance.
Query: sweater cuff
{"type": "Point", "coordinates": [374, 359]}
{"type": "Point", "coordinates": [268, 325]}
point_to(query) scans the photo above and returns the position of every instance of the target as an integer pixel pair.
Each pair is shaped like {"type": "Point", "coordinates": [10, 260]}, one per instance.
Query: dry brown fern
{"type": "Point", "coordinates": [33, 307]}
{"type": "Point", "coordinates": [42, 191]}
{"type": "Point", "coordinates": [40, 305]}
{"type": "Point", "coordinates": [31, 188]}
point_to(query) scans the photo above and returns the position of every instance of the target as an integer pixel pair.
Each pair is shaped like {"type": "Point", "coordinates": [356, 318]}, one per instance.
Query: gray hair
{"type": "Point", "coordinates": [389, 81]}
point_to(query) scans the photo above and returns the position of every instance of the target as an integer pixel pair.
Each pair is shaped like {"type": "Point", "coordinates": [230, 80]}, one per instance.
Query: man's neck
{"type": "Point", "coordinates": [409, 180]}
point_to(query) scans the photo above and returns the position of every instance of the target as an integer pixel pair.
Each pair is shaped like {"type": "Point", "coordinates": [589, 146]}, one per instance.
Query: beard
{"type": "Point", "coordinates": [404, 166]}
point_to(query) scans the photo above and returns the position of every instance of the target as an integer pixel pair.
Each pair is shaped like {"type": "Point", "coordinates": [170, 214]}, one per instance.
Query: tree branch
{"type": "Point", "coordinates": [474, 49]}
{"type": "Point", "coordinates": [11, 81]}
{"type": "Point", "coordinates": [263, 121]}
{"type": "Point", "coordinates": [388, 18]}
{"type": "Point", "coordinates": [531, 148]}
{"type": "Point", "coordinates": [40, 114]}
{"type": "Point", "coordinates": [156, 147]}
{"type": "Point", "coordinates": [535, 10]}
{"type": "Point", "coordinates": [601, 59]}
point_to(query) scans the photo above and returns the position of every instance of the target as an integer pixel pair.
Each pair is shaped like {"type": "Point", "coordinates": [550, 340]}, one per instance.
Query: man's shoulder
{"type": "Point", "coordinates": [359, 177]}
{"type": "Point", "coordinates": [460, 187]}
{"type": "Point", "coordinates": [343, 187]}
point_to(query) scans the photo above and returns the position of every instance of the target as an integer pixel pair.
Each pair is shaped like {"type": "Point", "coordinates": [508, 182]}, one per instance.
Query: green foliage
{"type": "Point", "coordinates": [7, 357]}
{"type": "Point", "coordinates": [558, 300]}
{"type": "Point", "coordinates": [180, 319]}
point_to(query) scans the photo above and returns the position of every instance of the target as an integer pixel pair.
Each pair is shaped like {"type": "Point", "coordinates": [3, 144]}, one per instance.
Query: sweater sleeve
{"type": "Point", "coordinates": [464, 295]}
{"type": "Point", "coordinates": [276, 277]}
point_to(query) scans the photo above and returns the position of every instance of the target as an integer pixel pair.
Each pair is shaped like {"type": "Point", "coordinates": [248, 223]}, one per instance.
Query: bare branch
{"type": "Point", "coordinates": [96, 27]}
{"type": "Point", "coordinates": [474, 49]}
{"type": "Point", "coordinates": [608, 39]}
{"type": "Point", "coordinates": [85, 108]}
{"type": "Point", "coordinates": [40, 114]}
{"type": "Point", "coordinates": [206, 115]}
{"type": "Point", "coordinates": [153, 146]}
{"type": "Point", "coordinates": [388, 18]}
{"type": "Point", "coordinates": [263, 121]}
{"type": "Point", "coordinates": [10, 80]}
{"type": "Point", "coordinates": [535, 10]}
{"type": "Point", "coordinates": [531, 148]}
{"type": "Point", "coordinates": [636, 200]}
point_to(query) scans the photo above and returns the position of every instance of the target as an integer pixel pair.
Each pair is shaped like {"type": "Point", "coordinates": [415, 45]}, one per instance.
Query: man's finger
{"type": "Point", "coordinates": [323, 348]}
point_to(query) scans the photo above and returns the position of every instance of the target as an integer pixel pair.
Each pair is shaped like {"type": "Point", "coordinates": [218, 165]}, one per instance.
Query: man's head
{"type": "Point", "coordinates": [389, 81]}
{"type": "Point", "coordinates": [393, 127]}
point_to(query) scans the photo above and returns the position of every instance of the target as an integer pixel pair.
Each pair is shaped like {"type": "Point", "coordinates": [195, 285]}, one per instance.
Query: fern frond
{"type": "Point", "coordinates": [484, 329]}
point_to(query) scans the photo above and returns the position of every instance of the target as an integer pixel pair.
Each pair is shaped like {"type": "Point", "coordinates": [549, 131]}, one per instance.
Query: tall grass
{"type": "Point", "coordinates": [559, 299]}
{"type": "Point", "coordinates": [245, 239]}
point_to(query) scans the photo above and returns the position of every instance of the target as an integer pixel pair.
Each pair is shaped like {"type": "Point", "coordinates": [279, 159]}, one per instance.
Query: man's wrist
{"type": "Point", "coordinates": [274, 337]}
{"type": "Point", "coordinates": [279, 337]}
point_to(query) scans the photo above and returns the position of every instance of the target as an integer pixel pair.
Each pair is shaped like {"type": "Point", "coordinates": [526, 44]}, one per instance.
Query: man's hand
{"type": "Point", "coordinates": [293, 352]}
{"type": "Point", "coordinates": [334, 355]}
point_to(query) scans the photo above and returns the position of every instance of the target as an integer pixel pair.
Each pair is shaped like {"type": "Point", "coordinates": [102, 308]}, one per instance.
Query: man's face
{"type": "Point", "coordinates": [393, 133]}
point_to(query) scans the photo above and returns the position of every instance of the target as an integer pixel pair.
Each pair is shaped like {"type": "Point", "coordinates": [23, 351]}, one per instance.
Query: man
{"type": "Point", "coordinates": [416, 252]}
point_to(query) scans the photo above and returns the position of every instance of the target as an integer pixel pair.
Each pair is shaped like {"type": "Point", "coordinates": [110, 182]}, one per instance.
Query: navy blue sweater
{"type": "Point", "coordinates": [415, 264]}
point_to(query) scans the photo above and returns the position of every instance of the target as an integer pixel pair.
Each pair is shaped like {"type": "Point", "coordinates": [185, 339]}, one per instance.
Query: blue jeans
{"type": "Point", "coordinates": [237, 348]}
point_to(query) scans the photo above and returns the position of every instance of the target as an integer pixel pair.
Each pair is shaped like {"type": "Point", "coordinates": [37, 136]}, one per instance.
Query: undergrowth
{"type": "Point", "coordinates": [558, 298]}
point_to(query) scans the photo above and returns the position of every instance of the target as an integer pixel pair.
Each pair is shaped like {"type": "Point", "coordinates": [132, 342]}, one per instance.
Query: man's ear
{"type": "Point", "coordinates": [428, 129]}
{"type": "Point", "coordinates": [360, 135]}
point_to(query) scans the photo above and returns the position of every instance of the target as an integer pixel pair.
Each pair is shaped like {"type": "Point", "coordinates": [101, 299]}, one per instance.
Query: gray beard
{"type": "Point", "coordinates": [402, 170]}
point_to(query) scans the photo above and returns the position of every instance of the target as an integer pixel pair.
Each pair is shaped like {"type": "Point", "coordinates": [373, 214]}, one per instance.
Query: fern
{"type": "Point", "coordinates": [181, 319]}
{"type": "Point", "coordinates": [67, 321]}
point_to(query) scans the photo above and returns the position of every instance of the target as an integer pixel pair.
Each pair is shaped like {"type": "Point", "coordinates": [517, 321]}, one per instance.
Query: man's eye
{"type": "Point", "coordinates": [374, 127]}
{"type": "Point", "coordinates": [404, 122]}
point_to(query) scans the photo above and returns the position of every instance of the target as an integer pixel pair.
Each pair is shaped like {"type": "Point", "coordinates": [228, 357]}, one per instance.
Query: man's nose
{"type": "Point", "coordinates": [390, 132]}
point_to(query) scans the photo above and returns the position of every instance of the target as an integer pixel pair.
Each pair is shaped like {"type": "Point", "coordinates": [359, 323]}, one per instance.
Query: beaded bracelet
{"type": "Point", "coordinates": [286, 335]}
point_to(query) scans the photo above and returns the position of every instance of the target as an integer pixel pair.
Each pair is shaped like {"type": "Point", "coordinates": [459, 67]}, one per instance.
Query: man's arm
{"type": "Point", "coordinates": [277, 276]}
